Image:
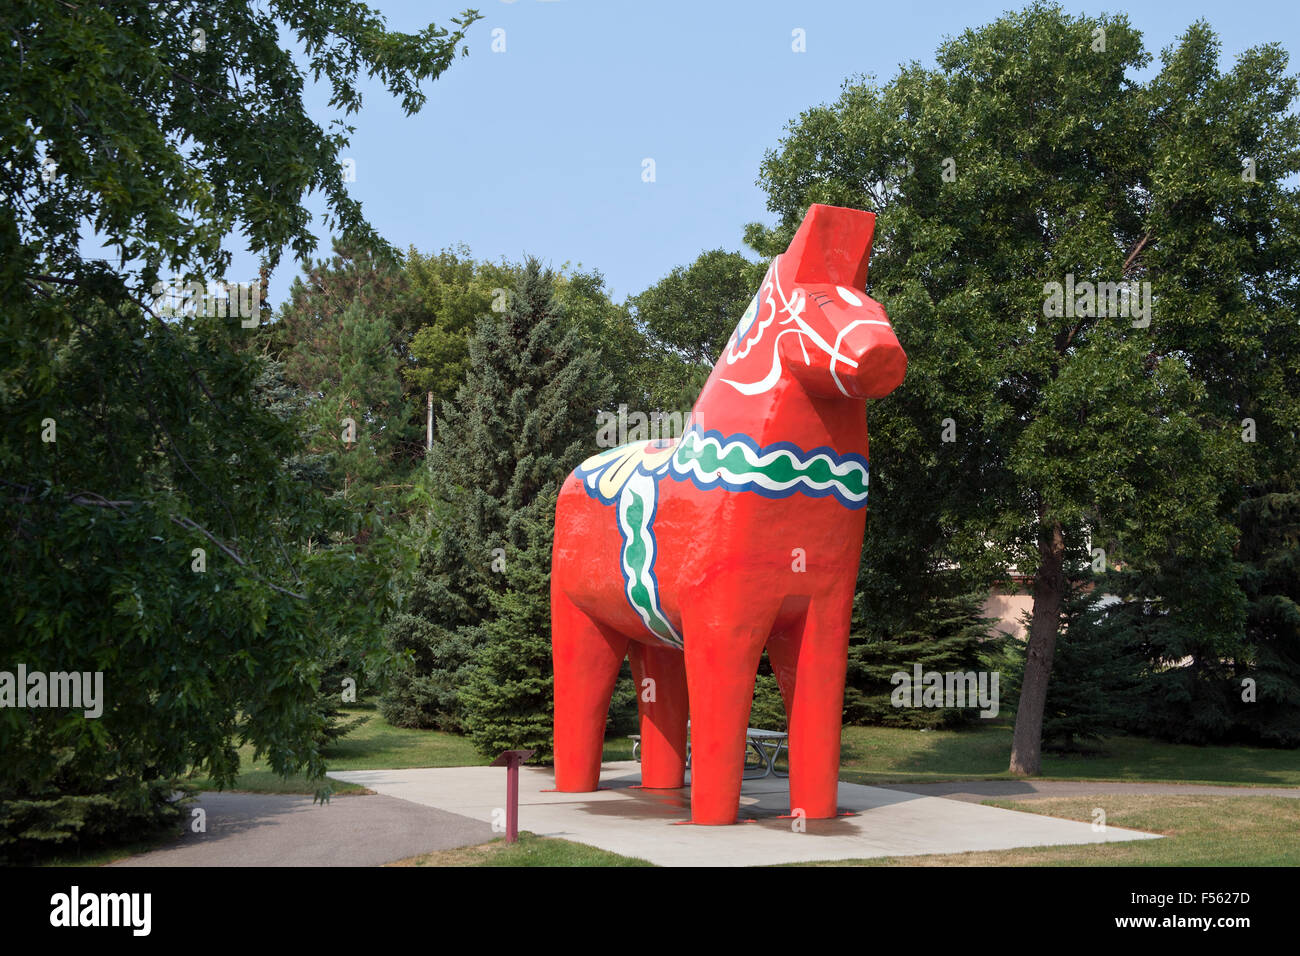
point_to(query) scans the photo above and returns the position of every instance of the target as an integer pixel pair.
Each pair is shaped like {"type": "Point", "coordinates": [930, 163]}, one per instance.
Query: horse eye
{"type": "Point", "coordinates": [848, 296]}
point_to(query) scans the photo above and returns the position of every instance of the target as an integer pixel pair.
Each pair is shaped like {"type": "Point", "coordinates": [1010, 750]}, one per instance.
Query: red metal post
{"type": "Point", "coordinates": [511, 759]}
{"type": "Point", "coordinates": [512, 801]}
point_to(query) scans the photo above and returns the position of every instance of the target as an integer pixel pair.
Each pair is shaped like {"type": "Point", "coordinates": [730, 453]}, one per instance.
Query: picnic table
{"type": "Point", "coordinates": [766, 745]}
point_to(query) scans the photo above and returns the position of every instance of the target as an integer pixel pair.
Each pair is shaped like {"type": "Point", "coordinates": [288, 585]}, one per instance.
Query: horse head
{"type": "Point", "coordinates": [812, 319]}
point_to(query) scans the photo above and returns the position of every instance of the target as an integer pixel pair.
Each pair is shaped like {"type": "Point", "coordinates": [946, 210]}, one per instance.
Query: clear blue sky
{"type": "Point", "coordinates": [539, 149]}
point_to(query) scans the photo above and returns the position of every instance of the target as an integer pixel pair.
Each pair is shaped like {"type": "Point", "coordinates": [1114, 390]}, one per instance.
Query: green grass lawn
{"type": "Point", "coordinates": [531, 850]}
{"type": "Point", "coordinates": [373, 745]}
{"type": "Point", "coordinates": [873, 755]}
{"type": "Point", "coordinates": [376, 745]}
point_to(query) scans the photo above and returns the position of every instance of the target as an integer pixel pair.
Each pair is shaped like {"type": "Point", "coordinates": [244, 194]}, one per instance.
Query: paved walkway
{"type": "Point", "coordinates": [418, 811]}
{"type": "Point", "coordinates": [975, 791]}
{"type": "Point", "coordinates": [643, 823]}
{"type": "Point", "coordinates": [271, 829]}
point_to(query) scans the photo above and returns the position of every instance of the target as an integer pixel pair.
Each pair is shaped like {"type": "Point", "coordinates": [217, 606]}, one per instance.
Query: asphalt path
{"type": "Point", "coordinates": [271, 829]}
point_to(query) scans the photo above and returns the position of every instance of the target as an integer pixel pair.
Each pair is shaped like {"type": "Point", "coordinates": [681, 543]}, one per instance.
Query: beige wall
{"type": "Point", "coordinates": [1007, 606]}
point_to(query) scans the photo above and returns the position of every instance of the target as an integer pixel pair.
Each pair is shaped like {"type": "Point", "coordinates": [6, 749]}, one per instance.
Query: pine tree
{"type": "Point", "coordinates": [1097, 673]}
{"type": "Point", "coordinates": [524, 417]}
{"type": "Point", "coordinates": [1181, 691]}
{"type": "Point", "coordinates": [1270, 549]}
{"type": "Point", "coordinates": [946, 635]}
{"type": "Point", "coordinates": [362, 391]}
{"type": "Point", "coordinates": [508, 698]}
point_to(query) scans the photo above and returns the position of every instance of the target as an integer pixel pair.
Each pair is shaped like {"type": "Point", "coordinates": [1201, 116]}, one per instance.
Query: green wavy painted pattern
{"type": "Point", "coordinates": [781, 471]}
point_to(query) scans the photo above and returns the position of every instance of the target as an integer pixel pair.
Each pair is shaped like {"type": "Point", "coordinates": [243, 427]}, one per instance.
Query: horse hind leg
{"type": "Point", "coordinates": [659, 673]}
{"type": "Point", "coordinates": [587, 658]}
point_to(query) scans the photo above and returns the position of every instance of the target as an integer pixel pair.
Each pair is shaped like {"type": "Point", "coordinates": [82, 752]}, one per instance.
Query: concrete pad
{"type": "Point", "coordinates": [273, 829]}
{"type": "Point", "coordinates": [647, 823]}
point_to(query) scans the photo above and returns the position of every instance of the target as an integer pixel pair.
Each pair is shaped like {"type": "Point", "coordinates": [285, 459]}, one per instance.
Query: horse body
{"type": "Point", "coordinates": [691, 556]}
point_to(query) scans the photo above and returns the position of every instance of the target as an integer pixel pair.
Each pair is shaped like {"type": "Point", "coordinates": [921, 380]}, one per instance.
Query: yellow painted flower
{"type": "Point", "coordinates": [607, 472]}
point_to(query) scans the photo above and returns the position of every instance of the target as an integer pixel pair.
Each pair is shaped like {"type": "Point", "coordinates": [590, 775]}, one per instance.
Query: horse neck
{"type": "Point", "coordinates": [784, 413]}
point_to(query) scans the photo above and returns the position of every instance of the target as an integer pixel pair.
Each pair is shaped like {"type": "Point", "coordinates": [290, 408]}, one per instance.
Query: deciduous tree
{"type": "Point", "coordinates": [154, 529]}
{"type": "Point", "coordinates": [1012, 180]}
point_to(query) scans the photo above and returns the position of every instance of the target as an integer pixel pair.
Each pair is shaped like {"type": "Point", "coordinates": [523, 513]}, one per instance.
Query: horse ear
{"type": "Point", "coordinates": [832, 246]}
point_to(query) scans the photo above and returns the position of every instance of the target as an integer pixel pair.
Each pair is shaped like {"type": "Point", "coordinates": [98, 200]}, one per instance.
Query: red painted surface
{"type": "Point", "coordinates": [728, 574]}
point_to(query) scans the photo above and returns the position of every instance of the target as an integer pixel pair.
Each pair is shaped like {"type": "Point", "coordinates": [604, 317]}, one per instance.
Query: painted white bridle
{"type": "Point", "coordinates": [792, 307]}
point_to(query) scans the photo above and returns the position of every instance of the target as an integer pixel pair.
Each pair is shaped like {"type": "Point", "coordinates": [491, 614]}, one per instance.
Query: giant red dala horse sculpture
{"type": "Point", "coordinates": [692, 555]}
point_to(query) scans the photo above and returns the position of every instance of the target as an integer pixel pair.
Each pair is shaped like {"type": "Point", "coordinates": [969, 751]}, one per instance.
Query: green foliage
{"type": "Point", "coordinates": [361, 560]}
{"type": "Point", "coordinates": [198, 650]}
{"type": "Point", "coordinates": [768, 709]}
{"type": "Point", "coordinates": [688, 316]}
{"type": "Point", "coordinates": [1061, 165]}
{"type": "Point", "coordinates": [358, 414]}
{"type": "Point", "coordinates": [226, 136]}
{"type": "Point", "coordinates": [1098, 675]}
{"type": "Point", "coordinates": [342, 337]}
{"type": "Point", "coordinates": [946, 635]}
{"type": "Point", "coordinates": [694, 309]}
{"type": "Point", "coordinates": [307, 329]}
{"type": "Point", "coordinates": [88, 813]}
{"type": "Point", "coordinates": [1270, 552]}
{"type": "Point", "coordinates": [611, 328]}
{"type": "Point", "coordinates": [624, 713]}
{"type": "Point", "coordinates": [435, 630]}
{"type": "Point", "coordinates": [1143, 665]}
{"type": "Point", "coordinates": [1192, 691]}
{"type": "Point", "coordinates": [1182, 692]}
{"type": "Point", "coordinates": [508, 699]}
{"type": "Point", "coordinates": [524, 417]}
{"type": "Point", "coordinates": [172, 434]}
{"type": "Point", "coordinates": [452, 290]}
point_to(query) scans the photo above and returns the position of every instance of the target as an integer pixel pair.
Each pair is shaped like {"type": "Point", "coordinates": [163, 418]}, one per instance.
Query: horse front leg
{"type": "Point", "coordinates": [810, 663]}
{"type": "Point", "coordinates": [724, 641]}
{"type": "Point", "coordinates": [587, 658]}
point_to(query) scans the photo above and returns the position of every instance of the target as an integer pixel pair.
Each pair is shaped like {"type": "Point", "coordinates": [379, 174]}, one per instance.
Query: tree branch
{"type": "Point", "coordinates": [1134, 253]}
{"type": "Point", "coordinates": [92, 499]}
